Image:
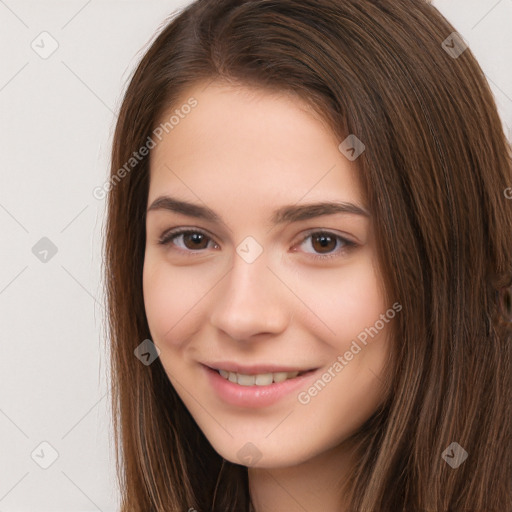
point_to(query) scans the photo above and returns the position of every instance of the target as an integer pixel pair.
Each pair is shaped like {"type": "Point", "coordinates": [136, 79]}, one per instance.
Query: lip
{"type": "Point", "coordinates": [254, 369]}
{"type": "Point", "coordinates": [256, 396]}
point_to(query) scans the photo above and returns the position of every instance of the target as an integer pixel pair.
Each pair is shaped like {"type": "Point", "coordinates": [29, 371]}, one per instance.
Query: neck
{"type": "Point", "coordinates": [314, 485]}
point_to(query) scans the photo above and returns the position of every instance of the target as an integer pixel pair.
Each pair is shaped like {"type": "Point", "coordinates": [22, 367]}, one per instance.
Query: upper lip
{"type": "Point", "coordinates": [256, 368]}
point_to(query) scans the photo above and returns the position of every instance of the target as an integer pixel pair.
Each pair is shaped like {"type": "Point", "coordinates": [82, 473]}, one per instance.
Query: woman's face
{"type": "Point", "coordinates": [263, 285]}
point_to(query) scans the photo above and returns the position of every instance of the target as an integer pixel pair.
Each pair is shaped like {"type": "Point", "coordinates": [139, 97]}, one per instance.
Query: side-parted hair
{"type": "Point", "coordinates": [435, 172]}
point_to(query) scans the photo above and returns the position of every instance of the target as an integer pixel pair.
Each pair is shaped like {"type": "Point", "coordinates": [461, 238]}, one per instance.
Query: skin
{"type": "Point", "coordinates": [245, 152]}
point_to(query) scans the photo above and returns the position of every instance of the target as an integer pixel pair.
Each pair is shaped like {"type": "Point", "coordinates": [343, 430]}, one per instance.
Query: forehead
{"type": "Point", "coordinates": [249, 147]}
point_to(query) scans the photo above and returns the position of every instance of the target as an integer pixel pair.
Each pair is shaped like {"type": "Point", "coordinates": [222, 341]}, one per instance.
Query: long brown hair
{"type": "Point", "coordinates": [435, 170]}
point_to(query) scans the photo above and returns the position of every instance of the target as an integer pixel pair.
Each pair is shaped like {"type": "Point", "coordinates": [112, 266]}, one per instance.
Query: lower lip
{"type": "Point", "coordinates": [255, 396]}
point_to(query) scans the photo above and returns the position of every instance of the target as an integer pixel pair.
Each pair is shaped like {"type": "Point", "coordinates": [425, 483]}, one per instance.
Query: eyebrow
{"type": "Point", "coordinates": [290, 213]}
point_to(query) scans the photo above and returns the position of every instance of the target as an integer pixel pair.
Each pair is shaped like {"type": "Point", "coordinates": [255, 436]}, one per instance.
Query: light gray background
{"type": "Point", "coordinates": [57, 117]}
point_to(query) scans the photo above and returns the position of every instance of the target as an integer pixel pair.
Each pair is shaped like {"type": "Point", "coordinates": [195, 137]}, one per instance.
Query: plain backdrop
{"type": "Point", "coordinates": [57, 116]}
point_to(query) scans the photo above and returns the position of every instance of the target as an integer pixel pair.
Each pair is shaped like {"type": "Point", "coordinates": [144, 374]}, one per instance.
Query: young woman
{"type": "Point", "coordinates": [308, 265]}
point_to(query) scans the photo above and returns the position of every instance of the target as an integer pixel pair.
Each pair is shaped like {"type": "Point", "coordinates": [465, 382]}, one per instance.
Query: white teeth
{"type": "Point", "coordinates": [261, 379]}
{"type": "Point", "coordinates": [280, 376]}
{"type": "Point", "coordinates": [246, 380]}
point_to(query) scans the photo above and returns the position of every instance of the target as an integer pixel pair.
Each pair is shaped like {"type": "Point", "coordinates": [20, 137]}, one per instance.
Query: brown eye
{"type": "Point", "coordinates": [194, 240]}
{"type": "Point", "coordinates": [186, 240]}
{"type": "Point", "coordinates": [324, 243]}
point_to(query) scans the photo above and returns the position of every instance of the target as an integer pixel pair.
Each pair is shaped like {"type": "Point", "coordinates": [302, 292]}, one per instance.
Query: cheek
{"type": "Point", "coordinates": [169, 300]}
{"type": "Point", "coordinates": [345, 302]}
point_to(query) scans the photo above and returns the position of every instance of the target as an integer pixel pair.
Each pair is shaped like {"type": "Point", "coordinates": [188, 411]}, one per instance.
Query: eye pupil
{"type": "Point", "coordinates": [325, 240]}
{"type": "Point", "coordinates": [196, 238]}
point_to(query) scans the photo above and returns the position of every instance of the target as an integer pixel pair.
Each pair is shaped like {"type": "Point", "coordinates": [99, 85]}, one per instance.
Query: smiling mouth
{"type": "Point", "coordinates": [260, 379]}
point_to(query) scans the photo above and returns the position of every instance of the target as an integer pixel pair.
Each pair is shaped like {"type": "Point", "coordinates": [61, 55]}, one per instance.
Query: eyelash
{"type": "Point", "coordinates": [169, 236]}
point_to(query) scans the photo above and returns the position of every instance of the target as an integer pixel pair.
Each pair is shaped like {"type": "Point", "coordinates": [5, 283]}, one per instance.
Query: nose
{"type": "Point", "coordinates": [251, 300]}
